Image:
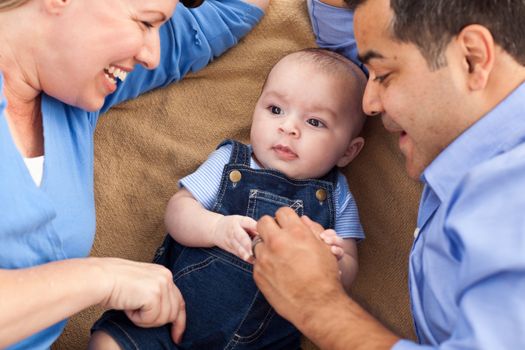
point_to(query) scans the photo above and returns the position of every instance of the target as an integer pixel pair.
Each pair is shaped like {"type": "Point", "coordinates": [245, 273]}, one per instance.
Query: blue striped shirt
{"type": "Point", "coordinates": [204, 185]}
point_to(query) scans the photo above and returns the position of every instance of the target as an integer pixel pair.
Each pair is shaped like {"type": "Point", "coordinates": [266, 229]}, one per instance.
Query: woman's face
{"type": "Point", "coordinates": [93, 43]}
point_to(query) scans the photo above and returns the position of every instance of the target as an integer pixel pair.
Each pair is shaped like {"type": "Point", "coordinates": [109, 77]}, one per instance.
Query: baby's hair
{"type": "Point", "coordinates": [339, 66]}
{"type": "Point", "coordinates": [331, 61]}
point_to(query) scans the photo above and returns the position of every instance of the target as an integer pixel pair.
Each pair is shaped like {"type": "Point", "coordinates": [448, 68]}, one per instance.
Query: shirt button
{"type": "Point", "coordinates": [320, 194]}
{"type": "Point", "coordinates": [235, 176]}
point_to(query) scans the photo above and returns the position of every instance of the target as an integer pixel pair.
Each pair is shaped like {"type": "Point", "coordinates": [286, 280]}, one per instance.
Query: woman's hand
{"type": "Point", "coordinates": [145, 292]}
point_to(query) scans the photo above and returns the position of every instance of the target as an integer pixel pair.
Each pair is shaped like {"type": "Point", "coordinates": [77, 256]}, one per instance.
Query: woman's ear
{"type": "Point", "coordinates": [353, 149]}
{"type": "Point", "coordinates": [477, 45]}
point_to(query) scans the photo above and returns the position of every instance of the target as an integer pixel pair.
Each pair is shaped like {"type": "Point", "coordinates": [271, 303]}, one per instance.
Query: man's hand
{"type": "Point", "coordinates": [232, 233]}
{"type": "Point", "coordinates": [294, 269]}
{"type": "Point", "coordinates": [145, 292]}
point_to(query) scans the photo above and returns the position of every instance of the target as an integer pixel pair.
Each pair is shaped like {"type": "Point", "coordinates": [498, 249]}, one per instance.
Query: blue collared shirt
{"type": "Point", "coordinates": [56, 221]}
{"type": "Point", "coordinates": [467, 264]}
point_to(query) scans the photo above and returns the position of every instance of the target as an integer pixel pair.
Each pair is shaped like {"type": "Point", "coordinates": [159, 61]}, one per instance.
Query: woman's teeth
{"type": "Point", "coordinates": [112, 73]}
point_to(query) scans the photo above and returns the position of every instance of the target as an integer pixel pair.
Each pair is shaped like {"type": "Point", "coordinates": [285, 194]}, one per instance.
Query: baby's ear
{"type": "Point", "coordinates": [353, 149]}
{"type": "Point", "coordinates": [56, 7]}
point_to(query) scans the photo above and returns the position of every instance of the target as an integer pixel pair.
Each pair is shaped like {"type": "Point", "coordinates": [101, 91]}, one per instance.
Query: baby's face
{"type": "Point", "coordinates": [302, 123]}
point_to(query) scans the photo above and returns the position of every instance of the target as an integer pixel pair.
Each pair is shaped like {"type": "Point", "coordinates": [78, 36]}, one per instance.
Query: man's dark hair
{"type": "Point", "coordinates": [431, 24]}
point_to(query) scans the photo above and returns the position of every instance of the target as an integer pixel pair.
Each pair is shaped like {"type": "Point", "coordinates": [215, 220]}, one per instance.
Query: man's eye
{"type": "Point", "coordinates": [275, 110]}
{"type": "Point", "coordinates": [381, 78]}
{"type": "Point", "coordinates": [315, 122]}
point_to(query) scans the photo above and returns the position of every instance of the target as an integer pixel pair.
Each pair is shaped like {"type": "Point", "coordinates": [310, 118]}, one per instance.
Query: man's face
{"type": "Point", "coordinates": [423, 106]}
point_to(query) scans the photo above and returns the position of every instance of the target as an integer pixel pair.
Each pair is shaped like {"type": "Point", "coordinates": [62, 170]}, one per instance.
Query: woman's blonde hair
{"type": "Point", "coordinates": [11, 4]}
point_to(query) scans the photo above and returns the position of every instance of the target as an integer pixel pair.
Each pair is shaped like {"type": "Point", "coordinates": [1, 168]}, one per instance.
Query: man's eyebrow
{"type": "Point", "coordinates": [369, 55]}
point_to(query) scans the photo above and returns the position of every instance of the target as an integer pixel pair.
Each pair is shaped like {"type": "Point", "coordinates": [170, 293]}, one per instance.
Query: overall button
{"type": "Point", "coordinates": [320, 194]}
{"type": "Point", "coordinates": [235, 176]}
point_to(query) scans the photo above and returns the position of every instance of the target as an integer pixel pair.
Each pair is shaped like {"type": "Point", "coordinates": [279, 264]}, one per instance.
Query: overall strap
{"type": "Point", "coordinates": [332, 176]}
{"type": "Point", "coordinates": [241, 153]}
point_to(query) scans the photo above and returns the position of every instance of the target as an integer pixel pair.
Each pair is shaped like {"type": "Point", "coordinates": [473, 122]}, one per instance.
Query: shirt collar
{"type": "Point", "coordinates": [499, 130]}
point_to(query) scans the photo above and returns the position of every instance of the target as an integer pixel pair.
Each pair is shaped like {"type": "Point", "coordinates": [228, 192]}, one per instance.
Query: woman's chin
{"type": "Point", "coordinates": [91, 105]}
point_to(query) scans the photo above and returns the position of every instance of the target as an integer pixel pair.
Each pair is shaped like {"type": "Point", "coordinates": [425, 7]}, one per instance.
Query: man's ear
{"type": "Point", "coordinates": [353, 149]}
{"type": "Point", "coordinates": [56, 7]}
{"type": "Point", "coordinates": [478, 49]}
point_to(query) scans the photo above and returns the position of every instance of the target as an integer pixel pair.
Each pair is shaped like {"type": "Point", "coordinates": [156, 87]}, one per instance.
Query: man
{"type": "Point", "coordinates": [447, 76]}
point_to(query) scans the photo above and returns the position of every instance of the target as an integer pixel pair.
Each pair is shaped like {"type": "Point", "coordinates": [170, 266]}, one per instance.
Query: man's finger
{"type": "Point", "coordinates": [266, 226]}
{"type": "Point", "coordinates": [287, 217]}
{"type": "Point", "coordinates": [255, 242]}
{"type": "Point", "coordinates": [312, 225]}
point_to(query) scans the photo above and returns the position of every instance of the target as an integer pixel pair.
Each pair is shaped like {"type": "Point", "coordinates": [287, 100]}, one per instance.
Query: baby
{"type": "Point", "coordinates": [305, 125]}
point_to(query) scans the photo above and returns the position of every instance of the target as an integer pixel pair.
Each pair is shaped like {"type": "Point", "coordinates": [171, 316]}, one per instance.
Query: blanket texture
{"type": "Point", "coordinates": [144, 146]}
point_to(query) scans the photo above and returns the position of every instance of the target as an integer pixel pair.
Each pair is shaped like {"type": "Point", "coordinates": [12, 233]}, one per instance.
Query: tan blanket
{"type": "Point", "coordinates": [144, 146]}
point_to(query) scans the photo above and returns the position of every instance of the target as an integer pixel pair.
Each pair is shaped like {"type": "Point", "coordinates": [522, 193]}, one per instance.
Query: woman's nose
{"type": "Point", "coordinates": [149, 54]}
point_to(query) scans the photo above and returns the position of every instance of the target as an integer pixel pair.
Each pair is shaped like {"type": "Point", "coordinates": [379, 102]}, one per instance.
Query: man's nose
{"type": "Point", "coordinates": [371, 100]}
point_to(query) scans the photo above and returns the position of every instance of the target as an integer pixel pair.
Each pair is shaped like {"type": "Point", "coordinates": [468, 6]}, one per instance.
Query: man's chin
{"type": "Point", "coordinates": [414, 171]}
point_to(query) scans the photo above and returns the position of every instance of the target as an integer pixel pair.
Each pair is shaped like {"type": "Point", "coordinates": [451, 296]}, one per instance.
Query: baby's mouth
{"type": "Point", "coordinates": [285, 151]}
{"type": "Point", "coordinates": [113, 73]}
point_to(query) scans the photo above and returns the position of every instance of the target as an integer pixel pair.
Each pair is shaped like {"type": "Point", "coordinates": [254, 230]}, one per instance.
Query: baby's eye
{"type": "Point", "coordinates": [315, 122]}
{"type": "Point", "coordinates": [276, 110]}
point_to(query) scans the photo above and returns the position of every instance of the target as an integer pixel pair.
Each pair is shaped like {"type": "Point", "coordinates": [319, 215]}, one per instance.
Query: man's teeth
{"type": "Point", "coordinates": [112, 73]}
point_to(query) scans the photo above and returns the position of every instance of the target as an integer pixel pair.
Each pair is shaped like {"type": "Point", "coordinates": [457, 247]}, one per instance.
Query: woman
{"type": "Point", "coordinates": [62, 64]}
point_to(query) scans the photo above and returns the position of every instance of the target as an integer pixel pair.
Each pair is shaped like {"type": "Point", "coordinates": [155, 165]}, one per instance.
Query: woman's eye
{"type": "Point", "coordinates": [315, 122]}
{"type": "Point", "coordinates": [147, 24]}
{"type": "Point", "coordinates": [275, 110]}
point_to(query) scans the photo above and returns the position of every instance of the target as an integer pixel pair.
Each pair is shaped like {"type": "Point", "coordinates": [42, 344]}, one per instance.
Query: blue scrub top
{"type": "Point", "coordinates": [56, 221]}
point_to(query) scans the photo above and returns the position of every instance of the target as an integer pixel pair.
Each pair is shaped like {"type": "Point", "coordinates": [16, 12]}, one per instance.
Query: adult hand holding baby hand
{"type": "Point", "coordinates": [291, 260]}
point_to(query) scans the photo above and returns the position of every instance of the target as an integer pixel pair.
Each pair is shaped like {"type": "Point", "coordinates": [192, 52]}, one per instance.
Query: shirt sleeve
{"type": "Point", "coordinates": [189, 41]}
{"type": "Point", "coordinates": [334, 29]}
{"type": "Point", "coordinates": [204, 183]}
{"type": "Point", "coordinates": [347, 223]}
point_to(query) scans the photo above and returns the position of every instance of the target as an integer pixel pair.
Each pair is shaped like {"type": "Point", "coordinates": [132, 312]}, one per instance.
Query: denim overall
{"type": "Point", "coordinates": [225, 309]}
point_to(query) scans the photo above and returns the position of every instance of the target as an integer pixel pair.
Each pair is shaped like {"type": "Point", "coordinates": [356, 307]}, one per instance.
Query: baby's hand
{"type": "Point", "coordinates": [231, 234]}
{"type": "Point", "coordinates": [334, 241]}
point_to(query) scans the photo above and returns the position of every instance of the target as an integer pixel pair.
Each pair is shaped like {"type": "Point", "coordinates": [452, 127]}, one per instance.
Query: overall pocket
{"type": "Point", "coordinates": [262, 203]}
